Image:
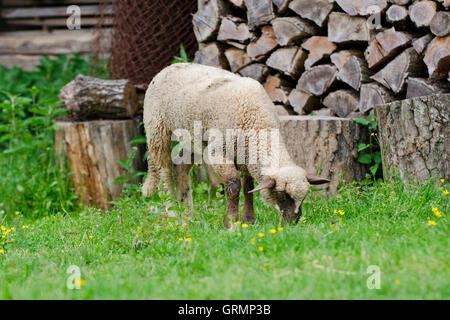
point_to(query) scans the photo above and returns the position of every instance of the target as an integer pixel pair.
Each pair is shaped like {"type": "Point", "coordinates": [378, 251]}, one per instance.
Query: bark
{"type": "Point", "coordinates": [328, 143]}
{"type": "Point", "coordinates": [87, 98]}
{"type": "Point", "coordinates": [318, 79]}
{"type": "Point", "coordinates": [317, 11]}
{"type": "Point", "coordinates": [93, 149]}
{"type": "Point", "coordinates": [414, 136]}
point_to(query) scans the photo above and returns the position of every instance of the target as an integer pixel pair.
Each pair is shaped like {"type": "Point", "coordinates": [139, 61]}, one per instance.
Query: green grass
{"type": "Point", "coordinates": [133, 254]}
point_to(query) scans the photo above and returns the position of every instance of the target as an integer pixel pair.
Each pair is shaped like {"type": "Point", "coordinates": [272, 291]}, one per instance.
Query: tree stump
{"type": "Point", "coordinates": [328, 143]}
{"type": "Point", "coordinates": [93, 149]}
{"type": "Point", "coordinates": [415, 137]}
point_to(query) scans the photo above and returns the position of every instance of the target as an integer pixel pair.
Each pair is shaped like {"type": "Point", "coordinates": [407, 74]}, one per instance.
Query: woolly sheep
{"type": "Point", "coordinates": [184, 93]}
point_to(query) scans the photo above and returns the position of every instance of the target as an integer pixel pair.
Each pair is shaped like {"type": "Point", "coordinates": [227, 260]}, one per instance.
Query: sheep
{"type": "Point", "coordinates": [184, 93]}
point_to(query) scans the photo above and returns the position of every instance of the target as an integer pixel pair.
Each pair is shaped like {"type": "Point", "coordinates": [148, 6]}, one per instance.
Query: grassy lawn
{"type": "Point", "coordinates": [131, 253]}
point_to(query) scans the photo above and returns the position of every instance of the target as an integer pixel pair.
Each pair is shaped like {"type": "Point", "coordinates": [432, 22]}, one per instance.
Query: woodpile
{"type": "Point", "coordinates": [340, 56]}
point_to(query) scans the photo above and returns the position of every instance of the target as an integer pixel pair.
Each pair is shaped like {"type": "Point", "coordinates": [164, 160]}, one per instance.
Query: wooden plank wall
{"type": "Point", "coordinates": [30, 29]}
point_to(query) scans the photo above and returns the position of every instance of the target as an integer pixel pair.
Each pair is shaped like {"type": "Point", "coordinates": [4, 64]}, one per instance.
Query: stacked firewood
{"type": "Point", "coordinates": [330, 57]}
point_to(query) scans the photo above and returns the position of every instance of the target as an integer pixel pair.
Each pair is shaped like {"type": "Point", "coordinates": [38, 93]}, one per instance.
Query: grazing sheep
{"type": "Point", "coordinates": [184, 93]}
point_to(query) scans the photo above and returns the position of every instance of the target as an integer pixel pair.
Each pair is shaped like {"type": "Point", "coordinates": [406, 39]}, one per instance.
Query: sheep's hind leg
{"type": "Point", "coordinates": [152, 181]}
{"type": "Point", "coordinates": [183, 185]}
{"type": "Point", "coordinates": [230, 177]}
{"type": "Point", "coordinates": [248, 214]}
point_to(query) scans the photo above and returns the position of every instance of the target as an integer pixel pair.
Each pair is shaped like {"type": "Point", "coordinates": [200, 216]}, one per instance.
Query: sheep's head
{"type": "Point", "coordinates": [286, 188]}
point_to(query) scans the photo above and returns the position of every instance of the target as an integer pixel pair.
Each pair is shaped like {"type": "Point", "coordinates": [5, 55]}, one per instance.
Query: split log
{"type": "Point", "coordinates": [361, 7]}
{"type": "Point", "coordinates": [318, 80]}
{"type": "Point", "coordinates": [303, 102]}
{"type": "Point", "coordinates": [93, 149]}
{"type": "Point", "coordinates": [419, 87]}
{"type": "Point", "coordinates": [234, 29]}
{"type": "Point", "coordinates": [342, 102]}
{"type": "Point", "coordinates": [421, 43]}
{"type": "Point", "coordinates": [283, 110]}
{"type": "Point", "coordinates": [385, 46]}
{"type": "Point", "coordinates": [277, 88]}
{"type": "Point", "coordinates": [445, 3]}
{"type": "Point", "coordinates": [265, 44]}
{"type": "Point", "coordinates": [259, 12]}
{"type": "Point", "coordinates": [282, 5]}
{"type": "Point", "coordinates": [422, 12]}
{"type": "Point", "coordinates": [87, 98]}
{"type": "Point", "coordinates": [414, 136]}
{"type": "Point", "coordinates": [211, 55]}
{"type": "Point", "coordinates": [318, 142]}
{"type": "Point", "coordinates": [290, 29]}
{"type": "Point", "coordinates": [397, 16]}
{"type": "Point", "coordinates": [238, 3]}
{"type": "Point", "coordinates": [206, 20]}
{"type": "Point", "coordinates": [340, 58]}
{"type": "Point", "coordinates": [354, 72]}
{"type": "Point", "coordinates": [400, 2]}
{"type": "Point", "coordinates": [394, 75]}
{"type": "Point", "coordinates": [343, 28]}
{"type": "Point", "coordinates": [324, 112]}
{"type": "Point", "coordinates": [289, 60]}
{"type": "Point", "coordinates": [437, 57]}
{"type": "Point", "coordinates": [316, 11]}
{"type": "Point", "coordinates": [440, 25]}
{"type": "Point", "coordinates": [318, 48]}
{"type": "Point", "coordinates": [372, 95]}
{"type": "Point", "coordinates": [237, 45]}
{"type": "Point", "coordinates": [237, 59]}
{"type": "Point", "coordinates": [256, 71]}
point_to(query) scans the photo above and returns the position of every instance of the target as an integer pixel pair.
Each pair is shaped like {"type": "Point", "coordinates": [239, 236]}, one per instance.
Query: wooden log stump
{"type": "Point", "coordinates": [93, 149]}
{"type": "Point", "coordinates": [88, 98]}
{"type": "Point", "coordinates": [415, 137]}
{"type": "Point", "coordinates": [326, 142]}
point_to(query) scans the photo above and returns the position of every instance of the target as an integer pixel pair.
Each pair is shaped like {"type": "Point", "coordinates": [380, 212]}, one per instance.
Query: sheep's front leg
{"type": "Point", "coordinates": [183, 185]}
{"type": "Point", "coordinates": [248, 214]}
{"type": "Point", "coordinates": [230, 177]}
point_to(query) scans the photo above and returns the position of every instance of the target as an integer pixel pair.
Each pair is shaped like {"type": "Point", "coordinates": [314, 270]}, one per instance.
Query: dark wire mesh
{"type": "Point", "coordinates": [147, 35]}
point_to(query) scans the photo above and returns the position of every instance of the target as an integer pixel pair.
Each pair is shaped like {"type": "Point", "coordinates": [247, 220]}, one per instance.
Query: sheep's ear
{"type": "Point", "coordinates": [266, 183]}
{"type": "Point", "coordinates": [312, 179]}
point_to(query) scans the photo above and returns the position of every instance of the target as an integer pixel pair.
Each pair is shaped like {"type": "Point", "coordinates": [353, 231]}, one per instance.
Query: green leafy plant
{"type": "Point", "coordinates": [183, 58]}
{"type": "Point", "coordinates": [370, 153]}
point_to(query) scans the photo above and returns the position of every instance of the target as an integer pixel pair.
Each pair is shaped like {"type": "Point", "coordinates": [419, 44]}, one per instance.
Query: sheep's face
{"type": "Point", "coordinates": [286, 189]}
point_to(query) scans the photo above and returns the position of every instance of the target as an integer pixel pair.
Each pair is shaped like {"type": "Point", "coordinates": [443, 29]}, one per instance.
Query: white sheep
{"type": "Point", "coordinates": [184, 93]}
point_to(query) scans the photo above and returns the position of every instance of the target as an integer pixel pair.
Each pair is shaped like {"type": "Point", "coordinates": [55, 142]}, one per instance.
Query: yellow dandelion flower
{"type": "Point", "coordinates": [189, 239]}
{"type": "Point", "coordinates": [434, 209]}
{"type": "Point", "coordinates": [3, 237]}
{"type": "Point", "coordinates": [372, 134]}
{"type": "Point", "coordinates": [2, 243]}
{"type": "Point", "coordinates": [260, 249]}
{"type": "Point", "coordinates": [326, 210]}
{"type": "Point", "coordinates": [438, 214]}
{"type": "Point", "coordinates": [442, 180]}
{"type": "Point", "coordinates": [253, 241]}
{"type": "Point", "coordinates": [335, 211]}
{"type": "Point", "coordinates": [80, 282]}
{"type": "Point", "coordinates": [16, 213]}
{"type": "Point", "coordinates": [280, 228]}
{"type": "Point", "coordinates": [440, 188]}
{"type": "Point", "coordinates": [3, 228]}
{"type": "Point", "coordinates": [90, 237]}
{"type": "Point", "coordinates": [25, 227]}
{"type": "Point", "coordinates": [180, 239]}
{"type": "Point", "coordinates": [237, 222]}
{"type": "Point", "coordinates": [273, 231]}
{"type": "Point", "coordinates": [332, 225]}
{"type": "Point", "coordinates": [260, 234]}
{"type": "Point", "coordinates": [397, 282]}
{"type": "Point", "coordinates": [445, 192]}
{"type": "Point", "coordinates": [341, 212]}
{"type": "Point", "coordinates": [244, 225]}
{"type": "Point", "coordinates": [1, 251]}
{"type": "Point", "coordinates": [431, 223]}
{"type": "Point", "coordinates": [12, 228]}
